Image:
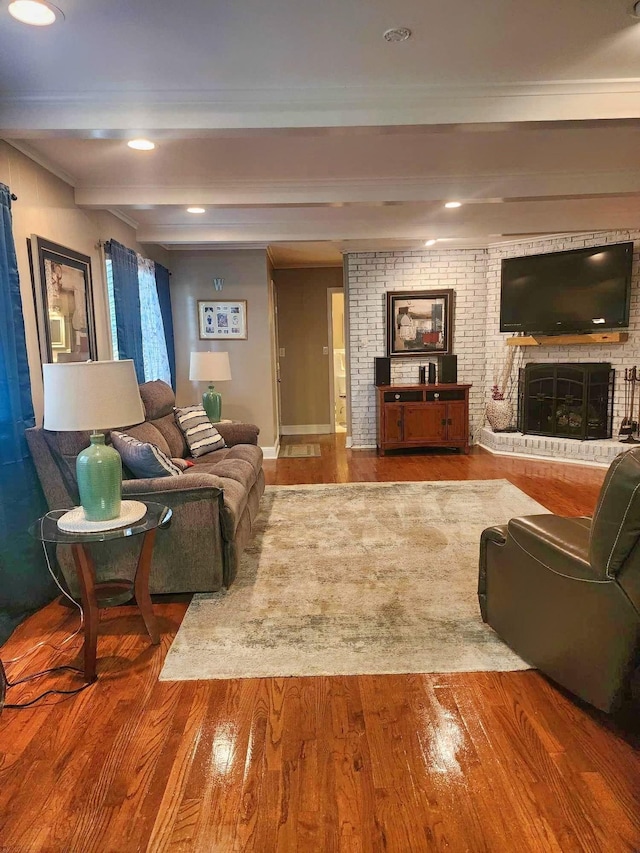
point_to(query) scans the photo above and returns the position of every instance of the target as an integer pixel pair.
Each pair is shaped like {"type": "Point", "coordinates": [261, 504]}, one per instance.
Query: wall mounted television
{"type": "Point", "coordinates": [581, 290]}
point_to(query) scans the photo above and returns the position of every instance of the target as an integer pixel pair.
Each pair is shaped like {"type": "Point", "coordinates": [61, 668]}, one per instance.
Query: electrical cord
{"type": "Point", "coordinates": [47, 692]}
{"type": "Point", "coordinates": [35, 675]}
{"type": "Point", "coordinates": [66, 594]}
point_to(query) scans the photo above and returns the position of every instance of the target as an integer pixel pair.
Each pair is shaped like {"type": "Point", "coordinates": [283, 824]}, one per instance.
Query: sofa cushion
{"type": "Point", "coordinates": [200, 434]}
{"type": "Point", "coordinates": [248, 452]}
{"type": "Point", "coordinates": [143, 459]}
{"type": "Point", "coordinates": [149, 434]}
{"type": "Point", "coordinates": [172, 434]}
{"type": "Point", "coordinates": [158, 399]}
{"type": "Point", "coordinates": [230, 469]}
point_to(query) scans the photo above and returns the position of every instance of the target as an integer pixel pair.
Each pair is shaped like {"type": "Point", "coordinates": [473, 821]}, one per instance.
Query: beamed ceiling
{"type": "Point", "coordinates": [297, 126]}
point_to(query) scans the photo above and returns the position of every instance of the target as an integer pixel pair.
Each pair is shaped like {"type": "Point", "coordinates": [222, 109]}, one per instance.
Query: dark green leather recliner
{"type": "Point", "coordinates": [564, 593]}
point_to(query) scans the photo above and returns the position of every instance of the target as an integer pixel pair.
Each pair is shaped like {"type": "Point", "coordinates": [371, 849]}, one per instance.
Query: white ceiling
{"type": "Point", "coordinates": [294, 123]}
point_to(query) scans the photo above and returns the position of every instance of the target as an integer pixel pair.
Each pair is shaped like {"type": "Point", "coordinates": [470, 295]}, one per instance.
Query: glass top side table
{"type": "Point", "coordinates": [105, 593]}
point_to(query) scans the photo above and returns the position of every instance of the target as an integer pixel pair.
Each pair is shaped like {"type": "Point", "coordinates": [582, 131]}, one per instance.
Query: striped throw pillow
{"type": "Point", "coordinates": [144, 460]}
{"type": "Point", "coordinates": [200, 434]}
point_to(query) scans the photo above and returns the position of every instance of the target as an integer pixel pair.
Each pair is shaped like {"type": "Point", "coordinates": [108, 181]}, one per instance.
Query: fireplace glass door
{"type": "Point", "coordinates": [566, 400]}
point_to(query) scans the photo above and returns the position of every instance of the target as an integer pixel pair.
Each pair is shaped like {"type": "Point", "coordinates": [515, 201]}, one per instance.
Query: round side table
{"type": "Point", "coordinates": [106, 593]}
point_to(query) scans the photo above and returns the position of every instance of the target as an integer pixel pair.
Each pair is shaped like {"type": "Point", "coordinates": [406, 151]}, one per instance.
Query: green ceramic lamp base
{"type": "Point", "coordinates": [212, 403]}
{"type": "Point", "coordinates": [99, 474]}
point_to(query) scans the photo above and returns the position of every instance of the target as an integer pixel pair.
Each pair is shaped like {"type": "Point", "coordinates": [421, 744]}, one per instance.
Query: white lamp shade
{"type": "Point", "coordinates": [209, 367]}
{"type": "Point", "coordinates": [91, 395]}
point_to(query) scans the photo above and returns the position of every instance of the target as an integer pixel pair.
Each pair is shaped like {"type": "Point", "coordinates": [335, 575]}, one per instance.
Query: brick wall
{"type": "Point", "coordinates": [369, 275]}
{"type": "Point", "coordinates": [474, 274]}
{"type": "Point", "coordinates": [620, 355]}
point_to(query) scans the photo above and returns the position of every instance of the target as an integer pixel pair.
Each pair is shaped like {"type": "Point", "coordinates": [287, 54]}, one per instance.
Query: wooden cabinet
{"type": "Point", "coordinates": [423, 416]}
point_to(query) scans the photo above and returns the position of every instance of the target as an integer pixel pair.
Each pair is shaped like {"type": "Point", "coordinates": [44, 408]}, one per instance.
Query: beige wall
{"type": "Point", "coordinates": [46, 207]}
{"type": "Point", "coordinates": [303, 331]}
{"type": "Point", "coordinates": [249, 394]}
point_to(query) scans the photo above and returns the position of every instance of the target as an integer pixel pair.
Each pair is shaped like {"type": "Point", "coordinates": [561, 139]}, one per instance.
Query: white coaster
{"type": "Point", "coordinates": [74, 521]}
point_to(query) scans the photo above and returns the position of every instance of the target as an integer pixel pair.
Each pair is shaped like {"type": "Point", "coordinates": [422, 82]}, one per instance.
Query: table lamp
{"type": "Point", "coordinates": [210, 367]}
{"type": "Point", "coordinates": [93, 395]}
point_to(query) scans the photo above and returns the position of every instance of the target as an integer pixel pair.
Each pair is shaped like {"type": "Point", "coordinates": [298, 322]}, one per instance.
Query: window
{"type": "Point", "coordinates": [144, 338]}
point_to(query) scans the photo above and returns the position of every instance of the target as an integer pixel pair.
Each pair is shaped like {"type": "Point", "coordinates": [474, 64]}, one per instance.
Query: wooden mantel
{"type": "Point", "coordinates": [561, 340]}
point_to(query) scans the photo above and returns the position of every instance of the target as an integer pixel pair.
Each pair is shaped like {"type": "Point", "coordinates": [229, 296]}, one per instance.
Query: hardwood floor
{"type": "Point", "coordinates": [456, 762]}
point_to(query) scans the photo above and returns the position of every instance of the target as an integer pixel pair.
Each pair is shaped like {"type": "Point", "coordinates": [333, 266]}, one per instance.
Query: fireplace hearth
{"type": "Point", "coordinates": [566, 400]}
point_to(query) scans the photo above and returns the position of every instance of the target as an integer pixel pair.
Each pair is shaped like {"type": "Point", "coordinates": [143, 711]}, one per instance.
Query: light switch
{"type": "Point", "coordinates": [325, 350]}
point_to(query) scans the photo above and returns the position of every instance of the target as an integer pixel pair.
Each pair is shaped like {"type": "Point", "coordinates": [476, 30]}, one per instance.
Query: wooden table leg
{"type": "Point", "coordinates": [141, 586]}
{"type": "Point", "coordinates": [86, 577]}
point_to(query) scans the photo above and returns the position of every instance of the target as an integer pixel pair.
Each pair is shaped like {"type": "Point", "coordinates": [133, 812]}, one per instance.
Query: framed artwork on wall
{"type": "Point", "coordinates": [63, 296]}
{"type": "Point", "coordinates": [419, 322]}
{"type": "Point", "coordinates": [222, 321]}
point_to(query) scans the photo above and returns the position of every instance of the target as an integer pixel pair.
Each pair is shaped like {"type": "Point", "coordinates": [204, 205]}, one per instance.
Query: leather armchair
{"type": "Point", "coordinates": [564, 593]}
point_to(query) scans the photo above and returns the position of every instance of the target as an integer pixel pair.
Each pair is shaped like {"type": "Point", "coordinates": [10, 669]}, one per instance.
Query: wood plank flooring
{"type": "Point", "coordinates": [447, 762]}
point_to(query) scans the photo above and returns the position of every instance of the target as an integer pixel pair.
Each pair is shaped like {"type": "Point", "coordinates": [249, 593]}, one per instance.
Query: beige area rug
{"type": "Point", "coordinates": [299, 451]}
{"type": "Point", "coordinates": [360, 578]}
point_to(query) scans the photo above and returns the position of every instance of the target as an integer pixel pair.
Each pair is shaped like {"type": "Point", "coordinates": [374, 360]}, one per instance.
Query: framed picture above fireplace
{"type": "Point", "coordinates": [419, 322]}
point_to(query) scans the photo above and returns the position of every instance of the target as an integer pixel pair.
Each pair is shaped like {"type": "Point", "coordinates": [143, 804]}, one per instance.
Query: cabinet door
{"type": "Point", "coordinates": [457, 421]}
{"type": "Point", "coordinates": [392, 430]}
{"type": "Point", "coordinates": [426, 422]}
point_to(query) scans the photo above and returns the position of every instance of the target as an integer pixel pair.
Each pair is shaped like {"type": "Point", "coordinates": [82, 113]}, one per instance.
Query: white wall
{"type": "Point", "coordinates": [369, 275]}
{"type": "Point", "coordinates": [46, 207]}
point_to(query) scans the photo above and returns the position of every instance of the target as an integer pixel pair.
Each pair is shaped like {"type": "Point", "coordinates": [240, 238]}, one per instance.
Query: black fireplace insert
{"type": "Point", "coordinates": [566, 400]}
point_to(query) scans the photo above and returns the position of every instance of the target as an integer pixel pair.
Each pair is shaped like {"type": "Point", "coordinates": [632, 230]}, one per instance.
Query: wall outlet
{"type": "Point", "coordinates": [325, 350]}
{"type": "Point", "coordinates": [281, 352]}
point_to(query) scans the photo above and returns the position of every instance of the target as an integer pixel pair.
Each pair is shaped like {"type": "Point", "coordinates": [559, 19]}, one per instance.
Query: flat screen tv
{"type": "Point", "coordinates": [582, 290]}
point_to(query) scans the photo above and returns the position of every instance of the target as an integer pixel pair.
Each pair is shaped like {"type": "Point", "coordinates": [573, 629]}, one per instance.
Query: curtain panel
{"type": "Point", "coordinates": [164, 297]}
{"type": "Point", "coordinates": [25, 584]}
{"type": "Point", "coordinates": [126, 298]}
{"type": "Point", "coordinates": [154, 345]}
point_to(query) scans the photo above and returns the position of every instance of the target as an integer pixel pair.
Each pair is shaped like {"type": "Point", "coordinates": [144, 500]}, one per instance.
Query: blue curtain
{"type": "Point", "coordinates": [126, 294]}
{"type": "Point", "coordinates": [164, 297]}
{"type": "Point", "coordinates": [25, 584]}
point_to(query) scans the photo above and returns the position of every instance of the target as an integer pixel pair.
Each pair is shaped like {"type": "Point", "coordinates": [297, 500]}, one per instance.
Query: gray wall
{"type": "Point", "coordinates": [249, 394]}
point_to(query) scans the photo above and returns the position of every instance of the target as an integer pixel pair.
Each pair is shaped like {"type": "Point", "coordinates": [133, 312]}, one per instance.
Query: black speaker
{"type": "Point", "coordinates": [431, 373]}
{"type": "Point", "coordinates": [422, 375]}
{"type": "Point", "coordinates": [383, 371]}
{"type": "Point", "coordinates": [448, 373]}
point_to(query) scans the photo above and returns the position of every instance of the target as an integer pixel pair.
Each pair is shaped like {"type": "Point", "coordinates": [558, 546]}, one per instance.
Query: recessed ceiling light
{"type": "Point", "coordinates": [452, 204]}
{"type": "Point", "coordinates": [397, 34]}
{"type": "Point", "coordinates": [635, 10]}
{"type": "Point", "coordinates": [141, 144]}
{"type": "Point", "coordinates": [431, 242]}
{"type": "Point", "coordinates": [195, 210]}
{"type": "Point", "coordinates": [34, 12]}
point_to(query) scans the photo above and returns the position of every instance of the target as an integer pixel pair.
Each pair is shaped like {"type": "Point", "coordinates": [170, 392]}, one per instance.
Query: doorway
{"type": "Point", "coordinates": [338, 373]}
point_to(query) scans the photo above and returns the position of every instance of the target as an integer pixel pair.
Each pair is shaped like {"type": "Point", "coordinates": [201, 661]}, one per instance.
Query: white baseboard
{"type": "Point", "coordinates": [272, 452]}
{"type": "Point", "coordinates": [306, 429]}
{"type": "Point", "coordinates": [349, 441]}
{"type": "Point", "coordinates": [537, 458]}
{"type": "Point", "coordinates": [363, 446]}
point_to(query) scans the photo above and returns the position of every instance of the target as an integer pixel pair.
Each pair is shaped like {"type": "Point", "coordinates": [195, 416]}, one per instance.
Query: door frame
{"type": "Point", "coordinates": [275, 358]}
{"type": "Point", "coordinates": [332, 390]}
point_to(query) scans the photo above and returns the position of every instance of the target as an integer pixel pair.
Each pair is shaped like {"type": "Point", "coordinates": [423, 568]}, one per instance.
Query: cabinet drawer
{"type": "Point", "coordinates": [445, 396]}
{"type": "Point", "coordinates": [403, 396]}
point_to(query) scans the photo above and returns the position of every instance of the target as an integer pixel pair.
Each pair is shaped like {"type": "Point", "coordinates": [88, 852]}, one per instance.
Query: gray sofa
{"type": "Point", "coordinates": [214, 503]}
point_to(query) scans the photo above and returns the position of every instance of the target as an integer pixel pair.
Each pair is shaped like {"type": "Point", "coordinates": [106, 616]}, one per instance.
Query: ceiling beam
{"type": "Point", "coordinates": [488, 189]}
{"type": "Point", "coordinates": [327, 107]}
